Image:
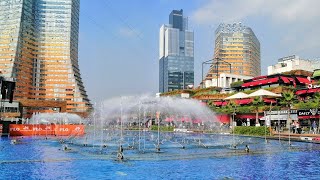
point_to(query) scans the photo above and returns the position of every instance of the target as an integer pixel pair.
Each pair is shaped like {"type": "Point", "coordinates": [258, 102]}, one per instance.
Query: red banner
{"type": "Point", "coordinates": [67, 130]}
{"type": "Point", "coordinates": [40, 129]}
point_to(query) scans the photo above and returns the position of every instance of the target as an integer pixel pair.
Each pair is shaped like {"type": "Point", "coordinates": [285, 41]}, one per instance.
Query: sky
{"type": "Point", "coordinates": [119, 39]}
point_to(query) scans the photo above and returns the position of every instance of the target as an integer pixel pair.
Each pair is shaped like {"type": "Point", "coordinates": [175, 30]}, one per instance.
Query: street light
{"type": "Point", "coordinates": [216, 62]}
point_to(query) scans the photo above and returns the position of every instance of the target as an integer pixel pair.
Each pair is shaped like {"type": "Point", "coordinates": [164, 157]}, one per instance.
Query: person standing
{"type": "Point", "coordinates": [298, 130]}
{"type": "Point", "coordinates": [275, 126]}
{"type": "Point", "coordinates": [314, 127]}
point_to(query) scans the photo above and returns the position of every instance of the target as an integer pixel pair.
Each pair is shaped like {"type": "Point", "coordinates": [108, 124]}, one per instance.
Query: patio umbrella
{"type": "Point", "coordinates": [239, 95]}
{"type": "Point", "coordinates": [263, 92]}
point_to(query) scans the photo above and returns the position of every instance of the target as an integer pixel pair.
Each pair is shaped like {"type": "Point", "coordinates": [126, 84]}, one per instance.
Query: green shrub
{"type": "Point", "coordinates": [162, 128]}
{"type": "Point", "coordinates": [236, 84]}
{"type": "Point", "coordinates": [251, 130]}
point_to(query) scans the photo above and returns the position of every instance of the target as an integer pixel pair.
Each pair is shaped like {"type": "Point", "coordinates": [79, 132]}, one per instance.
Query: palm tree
{"type": "Point", "coordinates": [257, 102]}
{"type": "Point", "coordinates": [288, 98]}
{"type": "Point", "coordinates": [317, 100]}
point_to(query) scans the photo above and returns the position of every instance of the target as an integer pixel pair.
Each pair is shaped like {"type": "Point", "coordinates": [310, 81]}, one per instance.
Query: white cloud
{"type": "Point", "coordinates": [283, 11]}
{"type": "Point", "coordinates": [297, 19]}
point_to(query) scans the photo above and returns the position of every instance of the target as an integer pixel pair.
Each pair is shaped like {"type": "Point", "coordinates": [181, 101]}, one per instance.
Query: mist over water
{"type": "Point", "coordinates": [172, 110]}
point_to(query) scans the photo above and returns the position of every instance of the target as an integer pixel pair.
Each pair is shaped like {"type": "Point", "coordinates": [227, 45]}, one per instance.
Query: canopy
{"type": "Point", "coordinates": [263, 92]}
{"type": "Point", "coordinates": [239, 95]}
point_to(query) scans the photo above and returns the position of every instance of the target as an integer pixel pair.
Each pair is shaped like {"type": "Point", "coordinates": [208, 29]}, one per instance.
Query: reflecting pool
{"type": "Point", "coordinates": [182, 156]}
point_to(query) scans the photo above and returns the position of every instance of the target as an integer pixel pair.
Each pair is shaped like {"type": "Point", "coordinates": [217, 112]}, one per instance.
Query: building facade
{"type": "Point", "coordinates": [225, 80]}
{"type": "Point", "coordinates": [293, 62]}
{"type": "Point", "coordinates": [237, 46]}
{"type": "Point", "coordinates": [176, 54]}
{"type": "Point", "coordinates": [39, 50]}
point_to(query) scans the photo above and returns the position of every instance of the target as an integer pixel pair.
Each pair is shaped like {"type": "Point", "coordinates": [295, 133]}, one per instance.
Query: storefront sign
{"type": "Point", "coordinates": [292, 111]}
{"type": "Point", "coordinates": [308, 112]}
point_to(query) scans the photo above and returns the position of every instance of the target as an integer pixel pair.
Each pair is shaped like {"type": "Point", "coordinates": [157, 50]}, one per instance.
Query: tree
{"type": "Point", "coordinates": [257, 102]}
{"type": "Point", "coordinates": [288, 98]}
{"type": "Point", "coordinates": [317, 100]}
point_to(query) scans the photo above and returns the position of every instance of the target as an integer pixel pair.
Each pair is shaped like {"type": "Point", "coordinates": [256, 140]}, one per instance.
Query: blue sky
{"type": "Point", "coordinates": [118, 45]}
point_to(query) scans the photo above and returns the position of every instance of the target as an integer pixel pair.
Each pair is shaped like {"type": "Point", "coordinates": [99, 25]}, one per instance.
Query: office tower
{"type": "Point", "coordinates": [237, 45]}
{"type": "Point", "coordinates": [39, 50]}
{"type": "Point", "coordinates": [176, 56]}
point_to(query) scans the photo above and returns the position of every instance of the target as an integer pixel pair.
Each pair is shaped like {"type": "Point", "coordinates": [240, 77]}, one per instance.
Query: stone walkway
{"type": "Point", "coordinates": [299, 137]}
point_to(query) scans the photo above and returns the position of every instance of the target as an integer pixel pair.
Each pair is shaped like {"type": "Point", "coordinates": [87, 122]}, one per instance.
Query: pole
{"type": "Point", "coordinates": [234, 112]}
{"type": "Point", "coordinates": [139, 123]}
{"type": "Point", "coordinates": [279, 126]}
{"type": "Point", "coordinates": [289, 124]}
{"type": "Point", "coordinates": [265, 127]}
{"type": "Point", "coordinates": [121, 134]}
{"type": "Point", "coordinates": [202, 82]}
{"type": "Point", "coordinates": [217, 72]}
{"type": "Point", "coordinates": [158, 117]}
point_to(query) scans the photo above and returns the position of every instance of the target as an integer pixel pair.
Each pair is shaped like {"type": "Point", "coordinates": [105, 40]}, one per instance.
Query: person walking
{"type": "Point", "coordinates": [314, 127]}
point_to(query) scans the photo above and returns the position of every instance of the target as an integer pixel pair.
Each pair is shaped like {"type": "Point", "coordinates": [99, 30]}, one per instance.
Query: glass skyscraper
{"type": "Point", "coordinates": [176, 55]}
{"type": "Point", "coordinates": [238, 45]}
{"type": "Point", "coordinates": [39, 50]}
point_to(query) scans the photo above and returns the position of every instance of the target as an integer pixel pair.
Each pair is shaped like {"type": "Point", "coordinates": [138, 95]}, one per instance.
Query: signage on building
{"type": "Point", "coordinates": [308, 112]}
{"type": "Point", "coordinates": [310, 86]}
{"type": "Point", "coordinates": [287, 58]}
{"type": "Point", "coordinates": [292, 111]}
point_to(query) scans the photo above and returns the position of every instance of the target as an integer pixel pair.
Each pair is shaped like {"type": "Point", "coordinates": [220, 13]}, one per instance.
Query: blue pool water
{"type": "Point", "coordinates": [38, 158]}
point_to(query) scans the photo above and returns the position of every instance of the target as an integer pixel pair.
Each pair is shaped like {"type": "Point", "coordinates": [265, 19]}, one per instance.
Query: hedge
{"type": "Point", "coordinates": [251, 130]}
{"type": "Point", "coordinates": [162, 128]}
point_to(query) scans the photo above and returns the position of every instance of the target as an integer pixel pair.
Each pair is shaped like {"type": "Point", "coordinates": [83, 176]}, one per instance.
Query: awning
{"type": "Point", "coordinates": [243, 101]}
{"type": "Point", "coordinates": [273, 80]}
{"type": "Point", "coordinates": [169, 119]}
{"type": "Point", "coordinates": [277, 117]}
{"type": "Point", "coordinates": [291, 79]}
{"type": "Point", "coordinates": [184, 119]}
{"type": "Point", "coordinates": [196, 121]}
{"type": "Point", "coordinates": [309, 117]}
{"type": "Point", "coordinates": [267, 100]}
{"type": "Point", "coordinates": [314, 90]}
{"type": "Point", "coordinates": [303, 80]}
{"type": "Point", "coordinates": [303, 91]}
{"type": "Point", "coordinates": [261, 82]}
{"type": "Point", "coordinates": [248, 116]}
{"type": "Point", "coordinates": [223, 118]}
{"type": "Point", "coordinates": [220, 103]}
{"type": "Point", "coordinates": [285, 79]}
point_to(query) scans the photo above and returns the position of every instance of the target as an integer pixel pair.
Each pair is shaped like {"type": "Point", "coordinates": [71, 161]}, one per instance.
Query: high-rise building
{"type": "Point", "coordinates": [237, 46]}
{"type": "Point", "coordinates": [39, 50]}
{"type": "Point", "coordinates": [176, 56]}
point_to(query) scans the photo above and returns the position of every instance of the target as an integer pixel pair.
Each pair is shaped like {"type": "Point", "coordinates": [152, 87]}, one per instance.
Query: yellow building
{"type": "Point", "coordinates": [39, 50]}
{"type": "Point", "coordinates": [236, 46]}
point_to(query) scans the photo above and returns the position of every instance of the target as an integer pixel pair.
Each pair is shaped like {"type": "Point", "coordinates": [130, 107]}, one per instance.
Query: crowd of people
{"type": "Point", "coordinates": [296, 128]}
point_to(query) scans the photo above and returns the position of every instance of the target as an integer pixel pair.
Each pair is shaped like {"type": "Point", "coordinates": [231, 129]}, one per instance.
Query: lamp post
{"type": "Point", "coordinates": [233, 124]}
{"type": "Point", "coordinates": [216, 62]}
